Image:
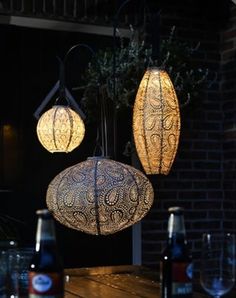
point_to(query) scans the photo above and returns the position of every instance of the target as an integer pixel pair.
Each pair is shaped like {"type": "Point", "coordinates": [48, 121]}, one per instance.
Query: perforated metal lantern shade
{"type": "Point", "coordinates": [60, 129]}
{"type": "Point", "coordinates": [99, 196]}
{"type": "Point", "coordinates": [156, 122]}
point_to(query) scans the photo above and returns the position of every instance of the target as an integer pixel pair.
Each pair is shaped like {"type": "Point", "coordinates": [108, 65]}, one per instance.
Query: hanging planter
{"type": "Point", "coordinates": [99, 196]}
{"type": "Point", "coordinates": [156, 122]}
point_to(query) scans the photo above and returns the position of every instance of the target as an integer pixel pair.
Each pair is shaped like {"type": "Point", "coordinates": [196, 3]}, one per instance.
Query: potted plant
{"type": "Point", "coordinates": [118, 85]}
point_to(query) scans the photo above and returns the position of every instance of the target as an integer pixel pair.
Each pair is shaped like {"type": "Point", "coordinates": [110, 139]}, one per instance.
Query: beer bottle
{"type": "Point", "coordinates": [46, 278]}
{"type": "Point", "coordinates": [176, 270]}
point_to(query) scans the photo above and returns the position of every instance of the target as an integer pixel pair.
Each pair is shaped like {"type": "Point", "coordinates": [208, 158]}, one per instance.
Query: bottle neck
{"type": "Point", "coordinates": [45, 232]}
{"type": "Point", "coordinates": [176, 226]}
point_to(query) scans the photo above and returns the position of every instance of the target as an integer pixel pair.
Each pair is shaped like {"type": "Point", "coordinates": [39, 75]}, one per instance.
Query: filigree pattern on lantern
{"type": "Point", "coordinates": [156, 122]}
{"type": "Point", "coordinates": [60, 129]}
{"type": "Point", "coordinates": [99, 196]}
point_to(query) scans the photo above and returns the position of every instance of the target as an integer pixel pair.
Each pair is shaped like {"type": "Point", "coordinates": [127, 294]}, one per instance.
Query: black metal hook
{"type": "Point", "coordinates": [60, 86]}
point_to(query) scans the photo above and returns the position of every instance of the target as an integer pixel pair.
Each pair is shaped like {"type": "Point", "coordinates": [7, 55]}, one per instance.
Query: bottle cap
{"type": "Point", "coordinates": [176, 210]}
{"type": "Point", "coordinates": [44, 213]}
{"type": "Point", "coordinates": [6, 244]}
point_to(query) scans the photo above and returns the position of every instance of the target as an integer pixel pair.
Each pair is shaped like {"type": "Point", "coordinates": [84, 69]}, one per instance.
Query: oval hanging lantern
{"type": "Point", "coordinates": [60, 129]}
{"type": "Point", "coordinates": [156, 122]}
{"type": "Point", "coordinates": [99, 196]}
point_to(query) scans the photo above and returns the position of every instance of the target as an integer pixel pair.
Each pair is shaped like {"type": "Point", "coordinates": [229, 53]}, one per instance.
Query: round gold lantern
{"type": "Point", "coordinates": [99, 196]}
{"type": "Point", "coordinates": [60, 129]}
{"type": "Point", "coordinates": [156, 122]}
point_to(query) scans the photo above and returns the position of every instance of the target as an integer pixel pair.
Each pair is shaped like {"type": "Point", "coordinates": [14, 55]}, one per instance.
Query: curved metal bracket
{"type": "Point", "coordinates": [60, 85]}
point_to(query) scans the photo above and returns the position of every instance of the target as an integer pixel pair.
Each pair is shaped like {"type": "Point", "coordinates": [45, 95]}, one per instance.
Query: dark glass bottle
{"type": "Point", "coordinates": [176, 270]}
{"type": "Point", "coordinates": [46, 275]}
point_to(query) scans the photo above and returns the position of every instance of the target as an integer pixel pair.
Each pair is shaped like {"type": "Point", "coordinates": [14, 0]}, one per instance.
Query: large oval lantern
{"type": "Point", "coordinates": [99, 196]}
{"type": "Point", "coordinates": [60, 129]}
{"type": "Point", "coordinates": [156, 122]}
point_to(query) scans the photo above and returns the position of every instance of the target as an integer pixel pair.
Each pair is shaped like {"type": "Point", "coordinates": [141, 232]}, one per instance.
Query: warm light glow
{"type": "Point", "coordinates": [156, 122]}
{"type": "Point", "coordinates": [60, 129]}
{"type": "Point", "coordinates": [99, 196]}
{"type": "Point", "coordinates": [8, 131]}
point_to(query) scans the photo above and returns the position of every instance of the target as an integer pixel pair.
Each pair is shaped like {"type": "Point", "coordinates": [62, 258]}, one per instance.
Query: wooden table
{"type": "Point", "coordinates": [114, 282]}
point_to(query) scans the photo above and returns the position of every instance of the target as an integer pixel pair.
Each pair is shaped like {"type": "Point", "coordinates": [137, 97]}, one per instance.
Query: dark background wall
{"type": "Point", "coordinates": [228, 91]}
{"type": "Point", "coordinates": [202, 177]}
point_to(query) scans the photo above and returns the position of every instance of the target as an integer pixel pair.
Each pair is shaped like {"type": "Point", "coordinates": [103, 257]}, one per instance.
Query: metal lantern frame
{"type": "Point", "coordinates": [156, 122]}
{"type": "Point", "coordinates": [60, 129]}
{"type": "Point", "coordinates": [99, 196]}
{"type": "Point", "coordinates": [65, 128]}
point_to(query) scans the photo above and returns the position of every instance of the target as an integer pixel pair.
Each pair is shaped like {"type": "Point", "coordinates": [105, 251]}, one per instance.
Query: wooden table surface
{"type": "Point", "coordinates": [114, 282]}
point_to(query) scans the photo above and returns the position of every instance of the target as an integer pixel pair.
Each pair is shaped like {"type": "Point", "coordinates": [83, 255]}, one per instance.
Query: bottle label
{"type": "Point", "coordinates": [45, 285]}
{"type": "Point", "coordinates": [182, 274]}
